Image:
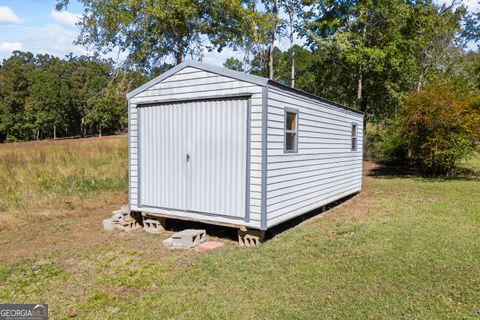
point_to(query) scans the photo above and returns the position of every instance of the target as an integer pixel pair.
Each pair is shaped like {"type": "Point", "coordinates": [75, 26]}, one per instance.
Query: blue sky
{"type": "Point", "coordinates": [34, 25]}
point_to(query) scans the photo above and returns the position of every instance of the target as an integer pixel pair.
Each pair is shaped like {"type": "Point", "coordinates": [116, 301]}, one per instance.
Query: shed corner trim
{"type": "Point", "coordinates": [263, 216]}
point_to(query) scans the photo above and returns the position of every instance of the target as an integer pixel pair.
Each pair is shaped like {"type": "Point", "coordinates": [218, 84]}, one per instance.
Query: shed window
{"type": "Point", "coordinates": [291, 130]}
{"type": "Point", "coordinates": [354, 137]}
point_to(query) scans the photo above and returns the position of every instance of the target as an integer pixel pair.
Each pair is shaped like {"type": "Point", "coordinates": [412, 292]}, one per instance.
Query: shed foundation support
{"type": "Point", "coordinates": [250, 237]}
{"type": "Point", "coordinates": [153, 224]}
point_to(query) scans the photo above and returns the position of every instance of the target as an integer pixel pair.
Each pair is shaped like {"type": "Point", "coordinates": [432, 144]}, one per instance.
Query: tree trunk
{"type": "Point", "coordinates": [360, 104]}
{"type": "Point", "coordinates": [180, 50]}
{"type": "Point", "coordinates": [83, 128]}
{"type": "Point", "coordinates": [54, 132]}
{"type": "Point", "coordinates": [270, 61]}
{"type": "Point", "coordinates": [360, 88]}
{"type": "Point", "coordinates": [292, 71]}
{"type": "Point", "coordinates": [419, 83]}
{"type": "Point", "coordinates": [38, 134]}
{"type": "Point", "coordinates": [100, 130]}
{"type": "Point", "coordinates": [272, 40]}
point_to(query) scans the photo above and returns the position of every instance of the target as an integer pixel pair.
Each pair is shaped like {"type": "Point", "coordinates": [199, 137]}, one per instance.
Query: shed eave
{"type": "Point", "coordinates": [241, 76]}
{"type": "Point", "coordinates": [312, 96]}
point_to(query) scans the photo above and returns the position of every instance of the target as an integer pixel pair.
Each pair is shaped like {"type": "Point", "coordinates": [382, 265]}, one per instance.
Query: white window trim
{"type": "Point", "coordinates": [354, 145]}
{"type": "Point", "coordinates": [285, 131]}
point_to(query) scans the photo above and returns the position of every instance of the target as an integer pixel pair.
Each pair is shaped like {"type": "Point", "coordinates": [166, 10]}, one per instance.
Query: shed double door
{"type": "Point", "coordinates": [193, 156]}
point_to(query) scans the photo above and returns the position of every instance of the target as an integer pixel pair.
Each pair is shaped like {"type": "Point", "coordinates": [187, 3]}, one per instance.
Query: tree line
{"type": "Point", "coordinates": [366, 54]}
{"type": "Point", "coordinates": [377, 56]}
{"type": "Point", "coordinates": [42, 96]}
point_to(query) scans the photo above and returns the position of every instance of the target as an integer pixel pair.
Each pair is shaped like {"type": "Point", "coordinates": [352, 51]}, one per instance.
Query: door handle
{"type": "Point", "coordinates": [188, 157]}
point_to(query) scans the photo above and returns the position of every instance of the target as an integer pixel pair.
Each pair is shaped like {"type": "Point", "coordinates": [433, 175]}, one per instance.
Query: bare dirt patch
{"type": "Point", "coordinates": [60, 231]}
{"type": "Point", "coordinates": [67, 232]}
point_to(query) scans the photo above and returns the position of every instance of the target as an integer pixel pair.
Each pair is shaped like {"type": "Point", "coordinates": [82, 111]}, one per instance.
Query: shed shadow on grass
{"type": "Point", "coordinates": [292, 223]}
{"type": "Point", "coordinates": [221, 232]}
{"type": "Point", "coordinates": [230, 233]}
{"type": "Point", "coordinates": [383, 171]}
{"type": "Point", "coordinates": [379, 170]}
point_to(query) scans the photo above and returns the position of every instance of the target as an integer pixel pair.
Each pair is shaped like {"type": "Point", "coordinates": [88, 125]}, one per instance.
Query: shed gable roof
{"type": "Point", "coordinates": [241, 76]}
{"type": "Point", "coordinates": [202, 66]}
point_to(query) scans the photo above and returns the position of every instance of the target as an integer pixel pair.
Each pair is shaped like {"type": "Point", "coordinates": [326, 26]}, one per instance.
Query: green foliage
{"type": "Point", "coordinates": [307, 68]}
{"type": "Point", "coordinates": [472, 27]}
{"type": "Point", "coordinates": [14, 90]}
{"type": "Point", "coordinates": [383, 143]}
{"type": "Point", "coordinates": [440, 128]}
{"type": "Point", "coordinates": [152, 31]}
{"type": "Point", "coordinates": [437, 129]}
{"type": "Point", "coordinates": [46, 97]}
{"type": "Point", "coordinates": [372, 55]}
{"type": "Point", "coordinates": [367, 55]}
{"type": "Point", "coordinates": [233, 64]}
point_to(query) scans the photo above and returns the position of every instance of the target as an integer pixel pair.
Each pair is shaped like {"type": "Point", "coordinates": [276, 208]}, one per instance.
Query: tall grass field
{"type": "Point", "coordinates": [406, 247]}
{"type": "Point", "coordinates": [54, 177]}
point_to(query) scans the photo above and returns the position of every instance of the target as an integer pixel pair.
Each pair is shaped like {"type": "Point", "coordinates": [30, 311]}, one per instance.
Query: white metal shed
{"type": "Point", "coordinates": [224, 147]}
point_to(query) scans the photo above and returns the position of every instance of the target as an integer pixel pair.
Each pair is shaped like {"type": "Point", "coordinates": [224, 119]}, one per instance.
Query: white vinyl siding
{"type": "Point", "coordinates": [193, 83]}
{"type": "Point", "coordinates": [354, 136]}
{"type": "Point", "coordinates": [291, 131]}
{"type": "Point", "coordinates": [319, 166]}
{"type": "Point", "coordinates": [323, 170]}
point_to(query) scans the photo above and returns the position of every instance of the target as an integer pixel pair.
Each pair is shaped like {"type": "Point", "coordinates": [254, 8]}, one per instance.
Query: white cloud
{"type": "Point", "coordinates": [65, 17]}
{"type": "Point", "coordinates": [472, 5]}
{"type": "Point", "coordinates": [218, 58]}
{"type": "Point", "coordinates": [53, 39]}
{"type": "Point", "coordinates": [6, 48]}
{"type": "Point", "coordinates": [10, 46]}
{"type": "Point", "coordinates": [7, 16]}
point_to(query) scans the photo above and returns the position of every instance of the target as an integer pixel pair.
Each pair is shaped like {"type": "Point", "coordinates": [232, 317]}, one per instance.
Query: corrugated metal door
{"type": "Point", "coordinates": [217, 149]}
{"type": "Point", "coordinates": [193, 156]}
{"type": "Point", "coordinates": [163, 168]}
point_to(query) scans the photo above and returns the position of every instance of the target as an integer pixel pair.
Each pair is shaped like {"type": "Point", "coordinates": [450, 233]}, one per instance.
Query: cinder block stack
{"type": "Point", "coordinates": [121, 220]}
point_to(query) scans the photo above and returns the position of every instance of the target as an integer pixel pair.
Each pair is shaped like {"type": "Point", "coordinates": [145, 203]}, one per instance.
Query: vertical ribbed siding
{"type": "Point", "coordinates": [163, 176]}
{"type": "Point", "coordinates": [218, 157]}
{"type": "Point", "coordinates": [213, 134]}
{"type": "Point", "coordinates": [192, 83]}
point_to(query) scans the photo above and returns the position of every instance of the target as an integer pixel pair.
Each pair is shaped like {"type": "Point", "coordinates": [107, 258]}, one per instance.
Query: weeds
{"type": "Point", "coordinates": [60, 172]}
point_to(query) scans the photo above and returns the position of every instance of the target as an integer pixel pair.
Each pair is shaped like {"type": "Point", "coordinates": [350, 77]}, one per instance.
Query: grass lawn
{"type": "Point", "coordinates": [406, 247]}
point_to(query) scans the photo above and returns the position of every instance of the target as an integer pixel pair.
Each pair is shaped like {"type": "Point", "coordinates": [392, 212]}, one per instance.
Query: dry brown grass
{"type": "Point", "coordinates": [51, 178]}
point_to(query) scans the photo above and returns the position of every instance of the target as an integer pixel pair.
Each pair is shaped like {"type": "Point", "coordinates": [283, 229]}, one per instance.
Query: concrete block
{"type": "Point", "coordinates": [188, 238]}
{"type": "Point", "coordinates": [168, 242]}
{"type": "Point", "coordinates": [117, 216]}
{"type": "Point", "coordinates": [153, 225]}
{"type": "Point", "coordinates": [107, 224]}
{"type": "Point", "coordinates": [129, 225]}
{"type": "Point", "coordinates": [250, 237]}
{"type": "Point", "coordinates": [123, 210]}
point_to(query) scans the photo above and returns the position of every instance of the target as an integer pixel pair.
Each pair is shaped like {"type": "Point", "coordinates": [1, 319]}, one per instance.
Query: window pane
{"type": "Point", "coordinates": [290, 141]}
{"type": "Point", "coordinates": [291, 123]}
{"type": "Point", "coordinates": [354, 144]}
{"type": "Point", "coordinates": [354, 130]}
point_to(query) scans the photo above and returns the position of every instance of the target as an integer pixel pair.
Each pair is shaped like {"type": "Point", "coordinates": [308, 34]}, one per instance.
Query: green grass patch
{"type": "Point", "coordinates": [405, 248]}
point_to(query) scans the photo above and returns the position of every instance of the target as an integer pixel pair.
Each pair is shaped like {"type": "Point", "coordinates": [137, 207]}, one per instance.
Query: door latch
{"type": "Point", "coordinates": [188, 157]}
